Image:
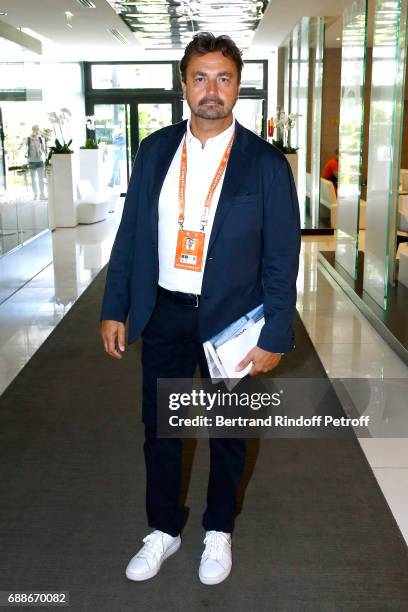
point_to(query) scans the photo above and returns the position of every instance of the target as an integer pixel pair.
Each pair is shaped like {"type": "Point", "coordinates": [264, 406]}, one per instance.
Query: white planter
{"type": "Point", "coordinates": [293, 161]}
{"type": "Point", "coordinates": [91, 167]}
{"type": "Point", "coordinates": [62, 190]}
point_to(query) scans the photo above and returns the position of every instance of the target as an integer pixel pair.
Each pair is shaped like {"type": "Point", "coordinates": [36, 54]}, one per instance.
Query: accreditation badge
{"type": "Point", "coordinates": [189, 250]}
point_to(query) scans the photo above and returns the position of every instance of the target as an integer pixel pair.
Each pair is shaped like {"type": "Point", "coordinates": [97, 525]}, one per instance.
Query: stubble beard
{"type": "Point", "coordinates": [212, 112]}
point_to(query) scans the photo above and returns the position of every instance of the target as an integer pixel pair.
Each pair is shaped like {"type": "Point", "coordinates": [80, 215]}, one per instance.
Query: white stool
{"type": "Point", "coordinates": [92, 207]}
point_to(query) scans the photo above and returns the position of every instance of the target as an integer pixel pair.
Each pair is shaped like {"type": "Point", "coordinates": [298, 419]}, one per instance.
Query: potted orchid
{"type": "Point", "coordinates": [283, 123]}
{"type": "Point", "coordinates": [90, 142]}
{"type": "Point", "coordinates": [91, 158]}
{"type": "Point", "coordinates": [62, 176]}
{"type": "Point", "coordinates": [60, 122]}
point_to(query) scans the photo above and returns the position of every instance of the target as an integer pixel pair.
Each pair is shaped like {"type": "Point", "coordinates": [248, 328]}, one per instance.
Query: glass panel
{"type": "Point", "coordinates": [249, 113]}
{"type": "Point", "coordinates": [303, 110]}
{"type": "Point", "coordinates": [318, 51]}
{"type": "Point", "coordinates": [294, 85]}
{"type": "Point", "coordinates": [382, 179]}
{"type": "Point", "coordinates": [252, 75]}
{"type": "Point", "coordinates": [152, 117]}
{"type": "Point", "coordinates": [110, 129]}
{"type": "Point", "coordinates": [287, 86]}
{"type": "Point", "coordinates": [351, 135]}
{"type": "Point", "coordinates": [132, 76]}
{"type": "Point", "coordinates": [299, 105]}
{"type": "Point", "coordinates": [2, 158]}
{"type": "Point", "coordinates": [9, 235]}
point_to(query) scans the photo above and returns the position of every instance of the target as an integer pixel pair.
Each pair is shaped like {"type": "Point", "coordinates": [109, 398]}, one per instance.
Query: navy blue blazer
{"type": "Point", "coordinates": [253, 250]}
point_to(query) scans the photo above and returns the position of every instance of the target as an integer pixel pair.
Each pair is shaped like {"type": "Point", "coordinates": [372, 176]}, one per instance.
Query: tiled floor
{"type": "Point", "coordinates": [347, 344]}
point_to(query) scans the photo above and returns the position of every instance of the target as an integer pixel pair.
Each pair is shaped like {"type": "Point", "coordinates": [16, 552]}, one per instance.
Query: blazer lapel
{"type": "Point", "coordinates": [235, 171]}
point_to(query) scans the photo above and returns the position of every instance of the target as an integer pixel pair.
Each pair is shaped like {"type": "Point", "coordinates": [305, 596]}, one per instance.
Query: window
{"type": "Point", "coordinates": [132, 76]}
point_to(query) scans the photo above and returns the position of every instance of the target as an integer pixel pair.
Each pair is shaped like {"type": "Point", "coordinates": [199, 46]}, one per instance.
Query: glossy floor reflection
{"type": "Point", "coordinates": [347, 344]}
{"type": "Point", "coordinates": [32, 312]}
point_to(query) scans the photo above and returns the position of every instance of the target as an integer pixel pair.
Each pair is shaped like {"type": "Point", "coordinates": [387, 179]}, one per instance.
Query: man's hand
{"type": "Point", "coordinates": [262, 361]}
{"type": "Point", "coordinates": [111, 332]}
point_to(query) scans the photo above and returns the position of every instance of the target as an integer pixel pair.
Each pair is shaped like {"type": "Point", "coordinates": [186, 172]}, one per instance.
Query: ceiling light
{"type": "Point", "coordinates": [338, 38]}
{"type": "Point", "coordinates": [68, 18]}
{"type": "Point", "coordinates": [86, 3]}
{"type": "Point", "coordinates": [3, 13]}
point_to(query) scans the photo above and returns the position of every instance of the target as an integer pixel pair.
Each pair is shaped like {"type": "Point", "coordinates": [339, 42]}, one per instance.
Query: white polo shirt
{"type": "Point", "coordinates": [202, 164]}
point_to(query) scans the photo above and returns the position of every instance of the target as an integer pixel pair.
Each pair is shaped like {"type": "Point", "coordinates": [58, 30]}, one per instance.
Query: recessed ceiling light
{"type": "Point", "coordinates": [3, 13]}
{"type": "Point", "coordinates": [68, 18]}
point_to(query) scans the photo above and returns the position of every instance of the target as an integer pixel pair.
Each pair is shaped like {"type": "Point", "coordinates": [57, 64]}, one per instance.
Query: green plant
{"type": "Point", "coordinates": [59, 148]}
{"type": "Point", "coordinates": [59, 119]}
{"type": "Point", "coordinates": [91, 144]}
{"type": "Point", "coordinates": [283, 123]}
{"type": "Point", "coordinates": [279, 144]}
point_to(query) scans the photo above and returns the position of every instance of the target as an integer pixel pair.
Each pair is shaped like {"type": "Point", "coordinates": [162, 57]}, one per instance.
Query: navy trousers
{"type": "Point", "coordinates": [171, 348]}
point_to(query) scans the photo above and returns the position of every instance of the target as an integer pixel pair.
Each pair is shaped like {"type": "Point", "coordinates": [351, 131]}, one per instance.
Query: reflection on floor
{"type": "Point", "coordinates": [347, 344]}
{"type": "Point", "coordinates": [21, 218]}
{"type": "Point", "coordinates": [394, 316]}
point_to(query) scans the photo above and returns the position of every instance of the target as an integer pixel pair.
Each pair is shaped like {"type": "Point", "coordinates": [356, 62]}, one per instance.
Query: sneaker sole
{"type": "Point", "coordinates": [139, 577]}
{"type": "Point", "coordinates": [216, 580]}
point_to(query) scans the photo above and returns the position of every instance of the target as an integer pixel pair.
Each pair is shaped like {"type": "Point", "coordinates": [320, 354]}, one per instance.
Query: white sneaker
{"type": "Point", "coordinates": [147, 562]}
{"type": "Point", "coordinates": [216, 560]}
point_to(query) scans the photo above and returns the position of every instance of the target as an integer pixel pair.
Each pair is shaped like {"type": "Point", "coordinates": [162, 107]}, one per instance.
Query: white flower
{"type": "Point", "coordinates": [53, 117]}
{"type": "Point", "coordinates": [90, 122]}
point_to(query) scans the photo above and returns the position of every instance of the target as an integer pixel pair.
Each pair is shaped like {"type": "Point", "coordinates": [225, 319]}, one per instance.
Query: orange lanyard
{"type": "Point", "coordinates": [213, 186]}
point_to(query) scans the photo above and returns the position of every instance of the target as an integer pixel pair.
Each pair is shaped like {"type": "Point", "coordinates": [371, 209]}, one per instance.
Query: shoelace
{"type": "Point", "coordinates": [152, 542]}
{"type": "Point", "coordinates": [213, 544]}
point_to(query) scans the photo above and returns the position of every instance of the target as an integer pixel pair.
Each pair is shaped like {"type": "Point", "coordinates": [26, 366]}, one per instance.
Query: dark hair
{"type": "Point", "coordinates": [206, 42]}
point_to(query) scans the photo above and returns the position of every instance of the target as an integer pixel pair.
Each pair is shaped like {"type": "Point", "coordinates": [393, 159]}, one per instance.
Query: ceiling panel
{"type": "Point", "coordinates": [170, 24]}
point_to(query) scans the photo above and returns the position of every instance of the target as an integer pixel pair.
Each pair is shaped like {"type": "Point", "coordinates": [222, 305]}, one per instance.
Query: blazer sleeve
{"type": "Point", "coordinates": [116, 298]}
{"type": "Point", "coordinates": [281, 247]}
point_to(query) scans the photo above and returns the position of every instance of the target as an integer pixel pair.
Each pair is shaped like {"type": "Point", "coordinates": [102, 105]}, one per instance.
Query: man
{"type": "Point", "coordinates": [331, 170]}
{"type": "Point", "coordinates": [214, 181]}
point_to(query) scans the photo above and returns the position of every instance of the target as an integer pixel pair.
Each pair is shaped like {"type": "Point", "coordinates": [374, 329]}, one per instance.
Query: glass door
{"type": "Point", "coordinates": [2, 158]}
{"type": "Point", "coordinates": [119, 128]}
{"type": "Point", "coordinates": [112, 131]}
{"type": "Point", "coordinates": [146, 118]}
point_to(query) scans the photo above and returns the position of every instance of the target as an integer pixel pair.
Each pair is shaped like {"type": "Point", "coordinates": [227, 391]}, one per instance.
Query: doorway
{"type": "Point", "coordinates": [119, 128]}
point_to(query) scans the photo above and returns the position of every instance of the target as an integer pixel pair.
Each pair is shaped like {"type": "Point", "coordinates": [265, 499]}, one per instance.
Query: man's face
{"type": "Point", "coordinates": [211, 88]}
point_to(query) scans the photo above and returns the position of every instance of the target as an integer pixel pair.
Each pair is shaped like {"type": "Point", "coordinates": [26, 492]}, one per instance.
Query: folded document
{"type": "Point", "coordinates": [225, 350]}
